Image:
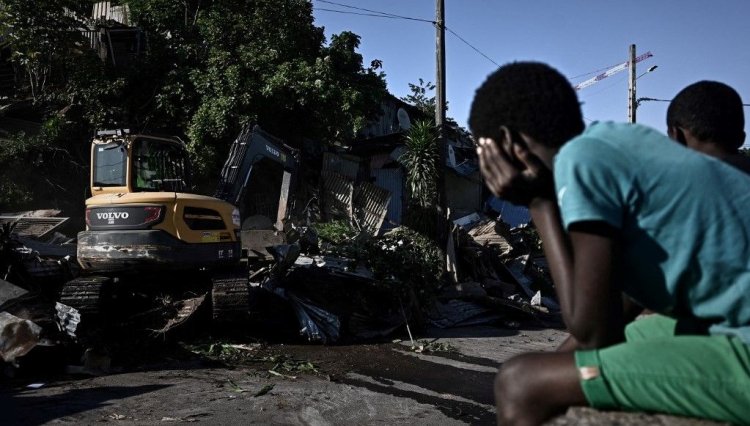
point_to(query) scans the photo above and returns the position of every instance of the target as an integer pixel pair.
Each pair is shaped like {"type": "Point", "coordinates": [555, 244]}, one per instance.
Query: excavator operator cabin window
{"type": "Point", "coordinates": [109, 164]}
{"type": "Point", "coordinates": [158, 166]}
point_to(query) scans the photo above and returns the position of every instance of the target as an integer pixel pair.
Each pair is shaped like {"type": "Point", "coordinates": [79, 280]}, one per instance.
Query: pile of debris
{"type": "Point", "coordinates": [328, 282]}
{"type": "Point", "coordinates": [345, 284]}
{"type": "Point", "coordinates": [35, 260]}
{"type": "Point", "coordinates": [497, 273]}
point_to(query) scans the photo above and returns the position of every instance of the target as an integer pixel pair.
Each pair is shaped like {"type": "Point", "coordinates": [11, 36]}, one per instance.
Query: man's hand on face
{"type": "Point", "coordinates": [512, 172]}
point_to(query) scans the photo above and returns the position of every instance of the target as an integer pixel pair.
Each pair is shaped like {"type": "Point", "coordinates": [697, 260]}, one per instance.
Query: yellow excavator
{"type": "Point", "coordinates": [141, 217]}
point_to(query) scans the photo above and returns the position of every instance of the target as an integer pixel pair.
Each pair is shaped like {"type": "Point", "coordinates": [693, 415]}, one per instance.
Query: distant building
{"type": "Point", "coordinates": [374, 157]}
{"type": "Point", "coordinates": [112, 38]}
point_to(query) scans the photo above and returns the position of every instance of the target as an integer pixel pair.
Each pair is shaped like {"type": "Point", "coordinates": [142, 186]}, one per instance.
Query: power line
{"type": "Point", "coordinates": [374, 13]}
{"type": "Point", "coordinates": [379, 14]}
{"type": "Point", "coordinates": [664, 100]}
{"type": "Point", "coordinates": [470, 45]}
{"type": "Point", "coordinates": [344, 12]}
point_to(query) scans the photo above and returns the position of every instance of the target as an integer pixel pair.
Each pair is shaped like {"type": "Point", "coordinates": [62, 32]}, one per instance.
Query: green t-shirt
{"type": "Point", "coordinates": [684, 217]}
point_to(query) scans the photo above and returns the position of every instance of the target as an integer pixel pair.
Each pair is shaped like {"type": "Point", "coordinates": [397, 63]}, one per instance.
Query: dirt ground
{"type": "Point", "coordinates": [448, 382]}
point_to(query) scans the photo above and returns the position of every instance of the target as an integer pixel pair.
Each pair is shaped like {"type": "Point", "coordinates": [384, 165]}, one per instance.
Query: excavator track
{"type": "Point", "coordinates": [86, 294]}
{"type": "Point", "coordinates": [230, 297]}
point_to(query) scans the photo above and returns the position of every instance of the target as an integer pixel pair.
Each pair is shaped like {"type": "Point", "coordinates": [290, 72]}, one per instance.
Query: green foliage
{"type": "Point", "coordinates": [210, 67]}
{"type": "Point", "coordinates": [421, 160]}
{"type": "Point", "coordinates": [421, 163]}
{"type": "Point", "coordinates": [420, 98]}
{"type": "Point", "coordinates": [339, 238]}
{"type": "Point", "coordinates": [410, 262]}
{"type": "Point", "coordinates": [28, 165]}
{"type": "Point", "coordinates": [269, 64]}
{"type": "Point", "coordinates": [43, 38]}
{"type": "Point", "coordinates": [336, 232]}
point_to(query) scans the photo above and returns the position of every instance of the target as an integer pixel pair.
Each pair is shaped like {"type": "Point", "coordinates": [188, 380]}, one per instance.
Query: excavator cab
{"type": "Point", "coordinates": [140, 215]}
{"type": "Point", "coordinates": [137, 163]}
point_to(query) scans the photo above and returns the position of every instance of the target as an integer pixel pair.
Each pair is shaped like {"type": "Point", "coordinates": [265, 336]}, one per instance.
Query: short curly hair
{"type": "Point", "coordinates": [711, 111]}
{"type": "Point", "coordinates": [528, 97]}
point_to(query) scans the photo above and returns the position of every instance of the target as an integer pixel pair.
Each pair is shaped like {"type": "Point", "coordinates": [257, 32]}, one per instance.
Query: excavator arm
{"type": "Point", "coordinates": [251, 146]}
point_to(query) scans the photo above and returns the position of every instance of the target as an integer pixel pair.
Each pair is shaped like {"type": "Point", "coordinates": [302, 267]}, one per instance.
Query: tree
{"type": "Point", "coordinates": [42, 38]}
{"type": "Point", "coordinates": [48, 51]}
{"type": "Point", "coordinates": [211, 67]}
{"type": "Point", "coordinates": [420, 98]}
{"type": "Point", "coordinates": [421, 161]}
{"type": "Point", "coordinates": [268, 64]}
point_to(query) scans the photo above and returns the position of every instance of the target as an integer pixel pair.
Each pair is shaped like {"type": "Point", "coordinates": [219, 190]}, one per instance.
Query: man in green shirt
{"type": "Point", "coordinates": [620, 209]}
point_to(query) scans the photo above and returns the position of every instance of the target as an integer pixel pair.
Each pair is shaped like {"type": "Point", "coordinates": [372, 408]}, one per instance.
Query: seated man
{"type": "Point", "coordinates": [628, 211]}
{"type": "Point", "coordinates": [707, 116]}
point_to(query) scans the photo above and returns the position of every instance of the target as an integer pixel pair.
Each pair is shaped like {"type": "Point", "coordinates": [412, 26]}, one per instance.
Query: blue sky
{"type": "Point", "coordinates": [691, 40]}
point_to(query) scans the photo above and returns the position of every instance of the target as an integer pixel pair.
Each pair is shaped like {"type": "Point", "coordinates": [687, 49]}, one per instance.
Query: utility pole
{"type": "Point", "coordinates": [631, 86]}
{"type": "Point", "coordinates": [440, 61]}
{"type": "Point", "coordinates": [440, 116]}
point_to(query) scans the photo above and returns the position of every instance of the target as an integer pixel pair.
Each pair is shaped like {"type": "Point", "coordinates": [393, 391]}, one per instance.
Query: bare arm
{"type": "Point", "coordinates": [582, 261]}
{"type": "Point", "coordinates": [583, 269]}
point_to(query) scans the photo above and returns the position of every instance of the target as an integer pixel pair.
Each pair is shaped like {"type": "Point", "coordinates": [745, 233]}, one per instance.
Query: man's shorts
{"type": "Point", "coordinates": [656, 371]}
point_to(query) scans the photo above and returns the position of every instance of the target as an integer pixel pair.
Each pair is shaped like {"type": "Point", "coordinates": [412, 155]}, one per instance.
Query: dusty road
{"type": "Point", "coordinates": [385, 383]}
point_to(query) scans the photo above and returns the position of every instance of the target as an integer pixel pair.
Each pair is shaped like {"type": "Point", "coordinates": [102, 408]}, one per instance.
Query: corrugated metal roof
{"type": "Point", "coordinates": [337, 195]}
{"type": "Point", "coordinates": [484, 234]}
{"type": "Point", "coordinates": [33, 226]}
{"type": "Point", "coordinates": [105, 10]}
{"type": "Point", "coordinates": [509, 213]}
{"type": "Point", "coordinates": [371, 205]}
{"type": "Point", "coordinates": [393, 181]}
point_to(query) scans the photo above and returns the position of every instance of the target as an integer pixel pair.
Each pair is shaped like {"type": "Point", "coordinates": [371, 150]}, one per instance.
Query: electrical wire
{"type": "Point", "coordinates": [345, 12]}
{"type": "Point", "coordinates": [375, 13]}
{"type": "Point", "coordinates": [379, 14]}
{"type": "Point", "coordinates": [470, 45]}
{"type": "Point", "coordinates": [665, 100]}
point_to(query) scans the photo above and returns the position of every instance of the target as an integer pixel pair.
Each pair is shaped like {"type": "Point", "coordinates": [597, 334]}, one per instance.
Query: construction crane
{"type": "Point", "coordinates": [610, 72]}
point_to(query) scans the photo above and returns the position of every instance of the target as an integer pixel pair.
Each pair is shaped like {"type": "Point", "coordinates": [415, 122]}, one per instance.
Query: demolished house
{"type": "Point", "coordinates": [345, 272]}
{"type": "Point", "coordinates": [114, 40]}
{"type": "Point", "coordinates": [373, 159]}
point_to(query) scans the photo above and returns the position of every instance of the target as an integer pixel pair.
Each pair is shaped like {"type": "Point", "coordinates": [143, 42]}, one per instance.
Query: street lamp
{"type": "Point", "coordinates": [637, 102]}
{"type": "Point", "coordinates": [650, 69]}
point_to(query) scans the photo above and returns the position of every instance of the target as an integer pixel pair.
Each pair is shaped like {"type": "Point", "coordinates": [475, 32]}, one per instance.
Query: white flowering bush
{"type": "Point", "coordinates": [409, 262]}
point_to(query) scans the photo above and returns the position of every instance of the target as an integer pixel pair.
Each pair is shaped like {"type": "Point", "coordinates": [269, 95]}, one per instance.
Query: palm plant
{"type": "Point", "coordinates": [421, 162]}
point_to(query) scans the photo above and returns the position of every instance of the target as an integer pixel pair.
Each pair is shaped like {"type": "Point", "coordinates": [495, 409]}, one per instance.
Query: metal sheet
{"type": "Point", "coordinates": [104, 10]}
{"type": "Point", "coordinates": [484, 234]}
{"type": "Point", "coordinates": [393, 181]}
{"type": "Point", "coordinates": [33, 226]}
{"type": "Point", "coordinates": [338, 196]}
{"type": "Point", "coordinates": [371, 205]}
{"type": "Point", "coordinates": [510, 213]}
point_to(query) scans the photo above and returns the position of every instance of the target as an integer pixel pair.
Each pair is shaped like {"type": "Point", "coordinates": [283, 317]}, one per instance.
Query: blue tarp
{"type": "Point", "coordinates": [510, 213]}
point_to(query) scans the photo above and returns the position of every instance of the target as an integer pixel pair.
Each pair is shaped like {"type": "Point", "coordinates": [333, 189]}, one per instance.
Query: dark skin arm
{"type": "Point", "coordinates": [630, 310]}
{"type": "Point", "coordinates": [582, 262]}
